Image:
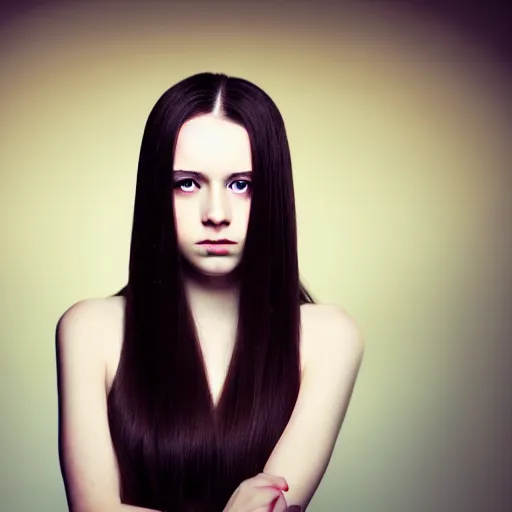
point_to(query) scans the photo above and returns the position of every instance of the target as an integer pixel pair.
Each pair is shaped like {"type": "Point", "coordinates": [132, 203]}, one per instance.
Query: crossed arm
{"type": "Point", "coordinates": [304, 450]}
{"type": "Point", "coordinates": [302, 454]}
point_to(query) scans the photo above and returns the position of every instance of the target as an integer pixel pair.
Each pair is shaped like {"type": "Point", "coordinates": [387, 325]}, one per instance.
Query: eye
{"type": "Point", "coordinates": [185, 184]}
{"type": "Point", "coordinates": [241, 186]}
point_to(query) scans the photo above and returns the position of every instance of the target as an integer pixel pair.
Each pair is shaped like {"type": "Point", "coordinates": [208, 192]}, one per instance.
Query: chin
{"type": "Point", "coordinates": [217, 269]}
{"type": "Point", "coordinates": [213, 267]}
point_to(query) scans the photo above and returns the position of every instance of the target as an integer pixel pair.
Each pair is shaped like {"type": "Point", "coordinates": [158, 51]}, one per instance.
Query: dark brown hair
{"type": "Point", "coordinates": [175, 450]}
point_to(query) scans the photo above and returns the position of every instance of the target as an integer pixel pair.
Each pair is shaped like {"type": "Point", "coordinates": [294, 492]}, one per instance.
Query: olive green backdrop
{"type": "Point", "coordinates": [399, 135]}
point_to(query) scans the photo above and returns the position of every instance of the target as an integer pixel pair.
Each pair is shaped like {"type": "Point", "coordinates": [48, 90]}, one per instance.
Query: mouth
{"type": "Point", "coordinates": [217, 247]}
{"type": "Point", "coordinates": [223, 241]}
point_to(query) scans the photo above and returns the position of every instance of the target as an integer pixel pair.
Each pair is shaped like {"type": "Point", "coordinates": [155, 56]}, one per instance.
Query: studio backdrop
{"type": "Point", "coordinates": [399, 132]}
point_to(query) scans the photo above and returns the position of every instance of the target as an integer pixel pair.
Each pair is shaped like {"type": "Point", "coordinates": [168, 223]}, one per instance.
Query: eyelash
{"type": "Point", "coordinates": [178, 184]}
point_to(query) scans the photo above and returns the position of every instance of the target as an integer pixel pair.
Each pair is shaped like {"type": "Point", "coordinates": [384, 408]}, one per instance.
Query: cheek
{"type": "Point", "coordinates": [182, 209]}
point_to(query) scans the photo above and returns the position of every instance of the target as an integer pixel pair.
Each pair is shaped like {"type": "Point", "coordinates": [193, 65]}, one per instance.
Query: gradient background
{"type": "Point", "coordinates": [400, 136]}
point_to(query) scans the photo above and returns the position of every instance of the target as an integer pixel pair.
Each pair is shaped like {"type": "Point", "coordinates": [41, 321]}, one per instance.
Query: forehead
{"type": "Point", "coordinates": [211, 144]}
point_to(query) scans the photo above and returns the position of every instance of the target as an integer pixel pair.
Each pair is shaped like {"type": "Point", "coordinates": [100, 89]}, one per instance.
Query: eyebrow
{"type": "Point", "coordinates": [199, 175]}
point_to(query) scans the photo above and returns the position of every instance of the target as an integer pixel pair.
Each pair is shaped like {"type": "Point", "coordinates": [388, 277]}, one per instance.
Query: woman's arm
{"type": "Point", "coordinates": [88, 463]}
{"type": "Point", "coordinates": [334, 345]}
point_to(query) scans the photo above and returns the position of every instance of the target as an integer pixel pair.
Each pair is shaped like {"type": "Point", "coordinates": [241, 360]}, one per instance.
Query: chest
{"type": "Point", "coordinates": [216, 341]}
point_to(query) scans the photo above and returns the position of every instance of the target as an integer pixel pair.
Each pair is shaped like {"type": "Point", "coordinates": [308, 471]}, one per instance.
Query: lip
{"type": "Point", "coordinates": [218, 249]}
{"type": "Point", "coordinates": [222, 241]}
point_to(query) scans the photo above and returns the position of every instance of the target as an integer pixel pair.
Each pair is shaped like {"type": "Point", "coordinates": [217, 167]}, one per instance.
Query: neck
{"type": "Point", "coordinates": [212, 298]}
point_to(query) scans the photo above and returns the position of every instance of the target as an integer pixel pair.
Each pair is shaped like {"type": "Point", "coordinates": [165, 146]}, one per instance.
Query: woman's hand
{"type": "Point", "coordinates": [261, 493]}
{"type": "Point", "coordinates": [281, 506]}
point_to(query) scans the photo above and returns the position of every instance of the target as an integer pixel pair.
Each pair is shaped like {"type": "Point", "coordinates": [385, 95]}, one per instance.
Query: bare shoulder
{"type": "Point", "coordinates": [94, 324]}
{"type": "Point", "coordinates": [95, 308]}
{"type": "Point", "coordinates": [84, 340]}
{"type": "Point", "coordinates": [93, 315]}
{"type": "Point", "coordinates": [329, 331]}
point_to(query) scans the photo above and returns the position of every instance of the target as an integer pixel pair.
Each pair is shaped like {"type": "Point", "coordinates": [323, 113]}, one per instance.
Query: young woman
{"type": "Point", "coordinates": [211, 382]}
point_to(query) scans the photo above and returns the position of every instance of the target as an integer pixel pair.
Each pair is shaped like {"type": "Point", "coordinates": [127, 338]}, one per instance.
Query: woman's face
{"type": "Point", "coordinates": [212, 192]}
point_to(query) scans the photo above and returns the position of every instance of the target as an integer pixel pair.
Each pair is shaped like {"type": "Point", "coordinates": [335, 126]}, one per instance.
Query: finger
{"type": "Point", "coordinates": [263, 481]}
{"type": "Point", "coordinates": [280, 504]}
{"type": "Point", "coordinates": [280, 481]}
{"type": "Point", "coordinates": [265, 496]}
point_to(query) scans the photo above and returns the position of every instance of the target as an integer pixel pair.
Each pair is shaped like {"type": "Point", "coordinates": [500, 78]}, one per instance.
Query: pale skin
{"type": "Point", "coordinates": [90, 335]}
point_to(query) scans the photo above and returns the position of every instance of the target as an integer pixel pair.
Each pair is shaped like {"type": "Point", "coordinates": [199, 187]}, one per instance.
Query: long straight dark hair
{"type": "Point", "coordinates": [175, 449]}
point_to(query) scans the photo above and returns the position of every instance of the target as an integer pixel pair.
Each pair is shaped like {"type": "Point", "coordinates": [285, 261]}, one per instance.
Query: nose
{"type": "Point", "coordinates": [216, 209]}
